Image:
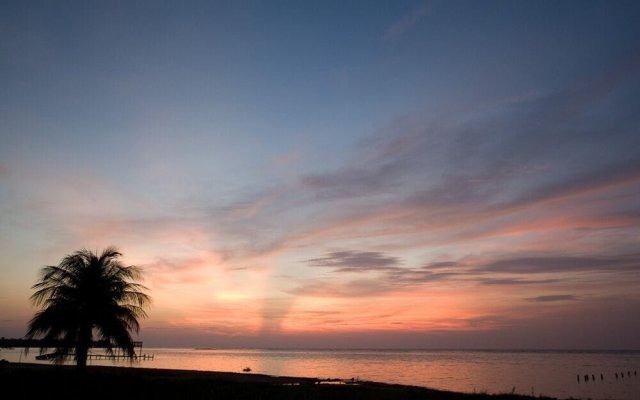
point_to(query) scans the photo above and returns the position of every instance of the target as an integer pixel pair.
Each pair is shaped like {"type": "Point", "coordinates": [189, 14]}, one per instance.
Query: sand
{"type": "Point", "coordinates": [37, 381]}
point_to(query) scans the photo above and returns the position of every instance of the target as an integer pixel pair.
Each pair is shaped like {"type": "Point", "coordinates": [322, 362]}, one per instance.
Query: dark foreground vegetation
{"type": "Point", "coordinates": [34, 381]}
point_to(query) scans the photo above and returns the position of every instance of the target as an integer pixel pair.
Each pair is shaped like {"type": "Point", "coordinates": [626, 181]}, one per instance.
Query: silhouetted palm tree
{"type": "Point", "coordinates": [87, 295]}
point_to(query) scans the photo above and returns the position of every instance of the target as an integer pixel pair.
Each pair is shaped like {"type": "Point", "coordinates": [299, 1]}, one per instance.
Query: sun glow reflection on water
{"type": "Point", "coordinates": [538, 373]}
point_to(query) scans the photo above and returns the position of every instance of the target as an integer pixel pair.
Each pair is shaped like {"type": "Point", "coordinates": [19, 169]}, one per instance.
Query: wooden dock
{"type": "Point", "coordinates": [118, 354]}
{"type": "Point", "coordinates": [137, 357]}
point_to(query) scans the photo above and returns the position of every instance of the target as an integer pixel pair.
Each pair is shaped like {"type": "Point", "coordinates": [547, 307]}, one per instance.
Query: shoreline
{"type": "Point", "coordinates": [109, 382]}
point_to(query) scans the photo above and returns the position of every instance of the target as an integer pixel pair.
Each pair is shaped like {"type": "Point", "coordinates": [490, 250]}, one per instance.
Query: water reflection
{"type": "Point", "coordinates": [537, 373]}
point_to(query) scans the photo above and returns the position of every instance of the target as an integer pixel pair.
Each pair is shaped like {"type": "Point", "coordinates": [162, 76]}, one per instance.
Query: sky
{"type": "Point", "coordinates": [386, 174]}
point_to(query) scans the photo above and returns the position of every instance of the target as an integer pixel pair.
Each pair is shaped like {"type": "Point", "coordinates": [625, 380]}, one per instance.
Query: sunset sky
{"type": "Point", "coordinates": [446, 174]}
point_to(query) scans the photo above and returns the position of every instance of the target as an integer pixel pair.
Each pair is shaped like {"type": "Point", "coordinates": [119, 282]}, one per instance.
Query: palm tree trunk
{"type": "Point", "coordinates": [82, 348]}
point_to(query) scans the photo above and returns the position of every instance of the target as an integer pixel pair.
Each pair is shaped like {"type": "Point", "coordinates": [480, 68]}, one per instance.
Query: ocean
{"type": "Point", "coordinates": [561, 374]}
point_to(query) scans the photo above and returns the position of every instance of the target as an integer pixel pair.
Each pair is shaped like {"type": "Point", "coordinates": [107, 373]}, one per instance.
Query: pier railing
{"type": "Point", "coordinates": [116, 354]}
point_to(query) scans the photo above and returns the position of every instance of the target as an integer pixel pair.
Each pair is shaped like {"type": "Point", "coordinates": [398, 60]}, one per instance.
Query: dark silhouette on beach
{"type": "Point", "coordinates": [87, 292]}
{"type": "Point", "coordinates": [109, 383]}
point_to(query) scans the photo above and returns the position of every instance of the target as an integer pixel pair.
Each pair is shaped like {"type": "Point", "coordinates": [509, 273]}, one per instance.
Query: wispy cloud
{"type": "Point", "coordinates": [382, 274]}
{"type": "Point", "coordinates": [349, 261]}
{"type": "Point", "coordinates": [440, 182]}
{"type": "Point", "coordinates": [342, 289]}
{"type": "Point", "coordinates": [594, 180]}
{"type": "Point", "coordinates": [400, 27]}
{"type": "Point", "coordinates": [441, 265]}
{"type": "Point", "coordinates": [564, 264]}
{"type": "Point", "coordinates": [553, 298]}
{"type": "Point", "coordinates": [516, 281]}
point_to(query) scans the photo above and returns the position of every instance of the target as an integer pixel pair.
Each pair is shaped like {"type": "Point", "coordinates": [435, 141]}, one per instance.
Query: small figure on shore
{"type": "Point", "coordinates": [586, 378]}
{"type": "Point", "coordinates": [601, 377]}
{"type": "Point", "coordinates": [616, 375]}
{"type": "Point", "coordinates": [622, 375]}
{"type": "Point", "coordinates": [593, 377]}
{"type": "Point", "coordinates": [628, 373]}
{"type": "Point", "coordinates": [578, 377]}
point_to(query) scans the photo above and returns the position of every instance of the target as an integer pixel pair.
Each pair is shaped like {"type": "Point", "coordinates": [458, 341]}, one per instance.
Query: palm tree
{"type": "Point", "coordinates": [87, 295]}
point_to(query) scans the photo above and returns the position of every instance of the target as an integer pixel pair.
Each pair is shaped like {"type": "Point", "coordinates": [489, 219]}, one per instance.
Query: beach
{"type": "Point", "coordinates": [30, 381]}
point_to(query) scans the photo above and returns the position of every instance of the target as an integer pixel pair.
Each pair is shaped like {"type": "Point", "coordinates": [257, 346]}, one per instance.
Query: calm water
{"type": "Point", "coordinates": [541, 373]}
